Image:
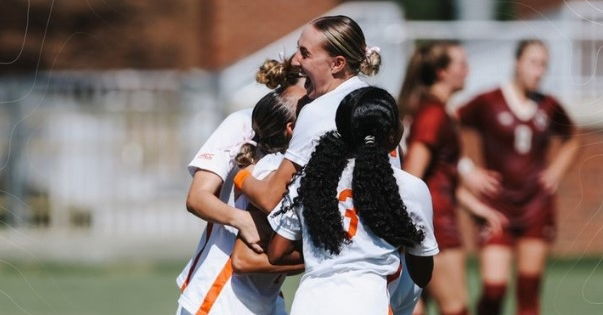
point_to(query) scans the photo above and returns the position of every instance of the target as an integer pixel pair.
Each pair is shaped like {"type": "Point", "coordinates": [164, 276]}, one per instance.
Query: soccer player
{"type": "Point", "coordinates": [207, 283]}
{"type": "Point", "coordinates": [516, 124]}
{"type": "Point", "coordinates": [434, 73]}
{"type": "Point", "coordinates": [353, 212]}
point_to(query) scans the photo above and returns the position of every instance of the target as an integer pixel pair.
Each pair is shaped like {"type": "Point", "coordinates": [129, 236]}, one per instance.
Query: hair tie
{"type": "Point", "coordinates": [249, 141]}
{"type": "Point", "coordinates": [370, 50]}
{"type": "Point", "coordinates": [369, 140]}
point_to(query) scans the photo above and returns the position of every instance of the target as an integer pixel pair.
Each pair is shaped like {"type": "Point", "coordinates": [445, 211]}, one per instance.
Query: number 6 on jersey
{"type": "Point", "coordinates": [350, 212]}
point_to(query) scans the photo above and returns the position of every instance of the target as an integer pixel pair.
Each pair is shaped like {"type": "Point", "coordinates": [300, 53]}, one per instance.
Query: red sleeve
{"type": "Point", "coordinates": [561, 124]}
{"type": "Point", "coordinates": [469, 114]}
{"type": "Point", "coordinates": [427, 126]}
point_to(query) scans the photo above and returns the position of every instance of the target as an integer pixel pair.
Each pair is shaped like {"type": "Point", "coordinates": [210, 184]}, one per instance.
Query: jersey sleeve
{"type": "Point", "coordinates": [469, 114]}
{"type": "Point", "coordinates": [561, 124]}
{"type": "Point", "coordinates": [302, 141]}
{"type": "Point", "coordinates": [427, 126]}
{"type": "Point", "coordinates": [419, 207]}
{"type": "Point", "coordinates": [286, 225]}
{"type": "Point", "coordinates": [217, 153]}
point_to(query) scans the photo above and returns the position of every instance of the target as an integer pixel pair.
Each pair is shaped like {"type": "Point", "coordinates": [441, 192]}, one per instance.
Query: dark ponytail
{"type": "Point", "coordinates": [377, 198]}
{"type": "Point", "coordinates": [368, 128]}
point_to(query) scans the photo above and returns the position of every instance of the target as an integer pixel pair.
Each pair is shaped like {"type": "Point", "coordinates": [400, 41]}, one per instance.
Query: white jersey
{"type": "Point", "coordinates": [207, 283]}
{"type": "Point", "coordinates": [367, 261]}
{"type": "Point", "coordinates": [315, 119]}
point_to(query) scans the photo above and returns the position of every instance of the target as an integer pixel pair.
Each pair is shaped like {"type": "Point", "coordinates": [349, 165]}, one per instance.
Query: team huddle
{"type": "Point", "coordinates": [313, 180]}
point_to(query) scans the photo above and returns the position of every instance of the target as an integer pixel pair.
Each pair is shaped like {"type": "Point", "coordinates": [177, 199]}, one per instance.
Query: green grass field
{"type": "Point", "coordinates": [572, 287]}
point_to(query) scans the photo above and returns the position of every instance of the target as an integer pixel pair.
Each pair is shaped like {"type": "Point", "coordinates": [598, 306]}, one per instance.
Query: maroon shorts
{"type": "Point", "coordinates": [445, 222]}
{"type": "Point", "coordinates": [534, 219]}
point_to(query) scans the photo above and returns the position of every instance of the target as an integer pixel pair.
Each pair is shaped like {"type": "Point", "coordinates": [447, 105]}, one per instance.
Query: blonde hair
{"type": "Point", "coordinates": [278, 74]}
{"type": "Point", "coordinates": [344, 37]}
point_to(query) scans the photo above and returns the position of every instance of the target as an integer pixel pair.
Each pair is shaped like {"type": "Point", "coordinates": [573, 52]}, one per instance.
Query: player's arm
{"type": "Point", "coordinates": [561, 163]}
{"type": "Point", "coordinates": [283, 251]}
{"type": "Point", "coordinates": [245, 260]}
{"type": "Point", "coordinates": [202, 202]}
{"type": "Point", "coordinates": [420, 268]}
{"type": "Point", "coordinates": [265, 194]}
{"type": "Point", "coordinates": [417, 159]}
{"type": "Point", "coordinates": [474, 177]}
{"type": "Point", "coordinates": [495, 220]}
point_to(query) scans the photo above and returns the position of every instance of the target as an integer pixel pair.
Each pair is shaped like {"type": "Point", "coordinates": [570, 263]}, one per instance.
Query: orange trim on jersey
{"type": "Point", "coordinates": [345, 194]}
{"type": "Point", "coordinates": [208, 230]}
{"type": "Point", "coordinates": [390, 311]}
{"type": "Point", "coordinates": [216, 288]}
{"type": "Point", "coordinates": [351, 213]}
{"type": "Point", "coordinates": [391, 278]}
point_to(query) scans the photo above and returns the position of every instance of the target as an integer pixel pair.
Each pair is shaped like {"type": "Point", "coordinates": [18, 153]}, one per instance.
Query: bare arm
{"type": "Point", "coordinates": [478, 180]}
{"type": "Point", "coordinates": [202, 202]}
{"type": "Point", "coordinates": [245, 260]}
{"type": "Point", "coordinates": [281, 250]}
{"type": "Point", "coordinates": [495, 220]}
{"type": "Point", "coordinates": [266, 194]}
{"type": "Point", "coordinates": [420, 269]}
{"type": "Point", "coordinates": [417, 159]}
{"type": "Point", "coordinates": [562, 162]}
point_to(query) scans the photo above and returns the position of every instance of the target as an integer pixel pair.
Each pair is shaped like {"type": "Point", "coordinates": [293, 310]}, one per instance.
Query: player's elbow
{"type": "Point", "coordinates": [275, 258]}
{"type": "Point", "coordinates": [190, 205]}
{"type": "Point", "coordinates": [241, 264]}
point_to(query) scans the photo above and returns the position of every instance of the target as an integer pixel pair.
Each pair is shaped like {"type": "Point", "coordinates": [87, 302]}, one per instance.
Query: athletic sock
{"type": "Point", "coordinates": [528, 291]}
{"type": "Point", "coordinates": [491, 300]}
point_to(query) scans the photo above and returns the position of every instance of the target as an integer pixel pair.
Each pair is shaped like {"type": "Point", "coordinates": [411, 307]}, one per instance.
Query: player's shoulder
{"type": "Point", "coordinates": [410, 185]}
{"type": "Point", "coordinates": [431, 110]}
{"type": "Point", "coordinates": [243, 115]}
{"type": "Point", "coordinates": [268, 163]}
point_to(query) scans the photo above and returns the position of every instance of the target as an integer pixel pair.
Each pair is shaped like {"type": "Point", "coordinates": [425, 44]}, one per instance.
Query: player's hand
{"type": "Point", "coordinates": [495, 221]}
{"type": "Point", "coordinates": [482, 181]}
{"type": "Point", "coordinates": [248, 231]}
{"type": "Point", "coordinates": [549, 180]}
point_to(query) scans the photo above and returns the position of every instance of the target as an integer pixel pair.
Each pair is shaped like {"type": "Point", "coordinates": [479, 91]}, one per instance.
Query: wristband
{"type": "Point", "coordinates": [240, 178]}
{"type": "Point", "coordinates": [465, 166]}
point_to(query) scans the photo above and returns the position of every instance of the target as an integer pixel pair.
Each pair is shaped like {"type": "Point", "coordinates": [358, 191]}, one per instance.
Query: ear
{"type": "Point", "coordinates": [289, 129]}
{"type": "Point", "coordinates": [338, 64]}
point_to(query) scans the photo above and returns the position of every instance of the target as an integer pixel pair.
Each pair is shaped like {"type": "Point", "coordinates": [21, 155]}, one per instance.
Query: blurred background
{"type": "Point", "coordinates": [104, 102]}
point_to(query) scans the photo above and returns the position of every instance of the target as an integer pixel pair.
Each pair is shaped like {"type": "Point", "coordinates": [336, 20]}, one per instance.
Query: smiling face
{"type": "Point", "coordinates": [315, 62]}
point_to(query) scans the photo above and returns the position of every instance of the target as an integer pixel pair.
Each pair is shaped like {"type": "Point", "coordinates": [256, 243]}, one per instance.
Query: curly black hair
{"type": "Point", "coordinates": [368, 127]}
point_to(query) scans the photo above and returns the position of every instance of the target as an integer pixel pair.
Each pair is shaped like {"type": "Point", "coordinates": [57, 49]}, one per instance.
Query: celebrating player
{"type": "Point", "coordinates": [516, 124]}
{"type": "Point", "coordinates": [207, 283]}
{"type": "Point", "coordinates": [353, 212]}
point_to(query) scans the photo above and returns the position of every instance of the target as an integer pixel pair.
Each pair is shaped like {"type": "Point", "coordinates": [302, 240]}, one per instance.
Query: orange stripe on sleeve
{"type": "Point", "coordinates": [216, 288]}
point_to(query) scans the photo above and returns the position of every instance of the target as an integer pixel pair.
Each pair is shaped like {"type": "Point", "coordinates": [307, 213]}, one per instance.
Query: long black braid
{"type": "Point", "coordinates": [368, 128]}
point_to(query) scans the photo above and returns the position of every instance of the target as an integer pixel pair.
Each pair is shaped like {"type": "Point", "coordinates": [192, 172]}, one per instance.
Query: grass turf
{"type": "Point", "coordinates": [571, 287]}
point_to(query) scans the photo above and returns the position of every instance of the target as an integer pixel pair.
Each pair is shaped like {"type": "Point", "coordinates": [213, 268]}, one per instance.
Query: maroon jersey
{"type": "Point", "coordinates": [433, 127]}
{"type": "Point", "coordinates": [515, 147]}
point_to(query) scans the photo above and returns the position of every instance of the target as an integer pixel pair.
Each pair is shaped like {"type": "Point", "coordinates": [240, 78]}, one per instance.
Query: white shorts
{"type": "Point", "coordinates": [347, 293]}
{"type": "Point", "coordinates": [404, 293]}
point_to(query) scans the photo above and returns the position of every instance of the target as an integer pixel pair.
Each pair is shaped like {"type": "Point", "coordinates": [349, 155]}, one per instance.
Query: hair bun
{"type": "Point", "coordinates": [370, 65]}
{"type": "Point", "coordinates": [272, 73]}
